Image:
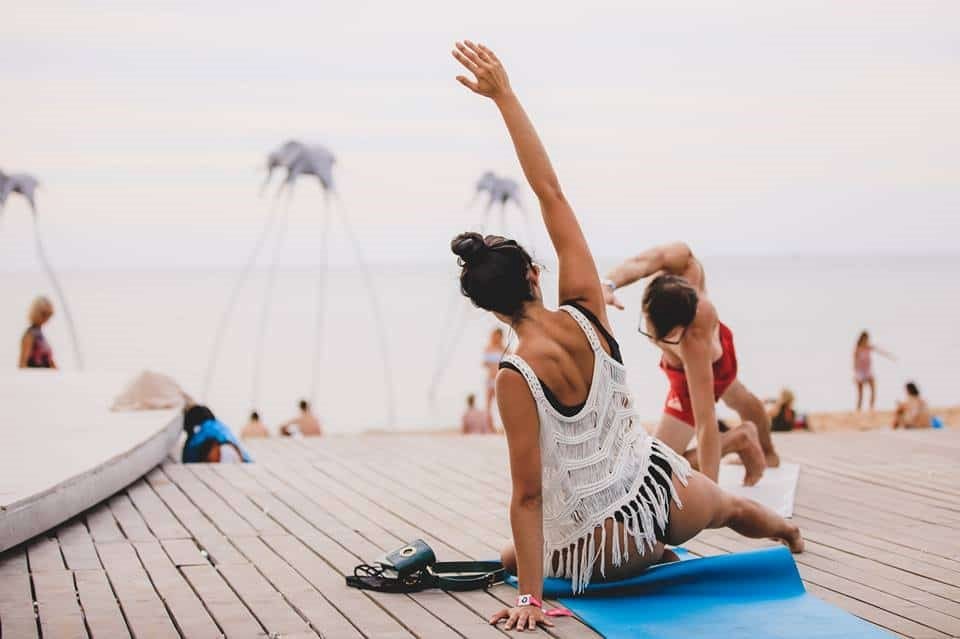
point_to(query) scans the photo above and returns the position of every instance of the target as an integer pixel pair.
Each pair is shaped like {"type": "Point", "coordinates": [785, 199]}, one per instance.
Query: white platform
{"type": "Point", "coordinates": [62, 450]}
{"type": "Point", "coordinates": [776, 490]}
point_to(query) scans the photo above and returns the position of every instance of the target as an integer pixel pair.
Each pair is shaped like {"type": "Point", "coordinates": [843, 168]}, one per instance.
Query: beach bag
{"type": "Point", "coordinates": [414, 567]}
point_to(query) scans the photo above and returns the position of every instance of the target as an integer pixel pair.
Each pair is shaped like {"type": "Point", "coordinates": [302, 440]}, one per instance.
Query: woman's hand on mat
{"type": "Point", "coordinates": [491, 78]}
{"type": "Point", "coordinates": [521, 618]}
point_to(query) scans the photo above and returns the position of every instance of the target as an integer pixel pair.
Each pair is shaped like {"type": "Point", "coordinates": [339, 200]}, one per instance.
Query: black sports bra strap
{"type": "Point", "coordinates": [610, 339]}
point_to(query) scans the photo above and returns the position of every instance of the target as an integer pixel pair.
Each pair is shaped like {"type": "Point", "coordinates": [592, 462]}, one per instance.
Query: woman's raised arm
{"type": "Point", "coordinates": [579, 279]}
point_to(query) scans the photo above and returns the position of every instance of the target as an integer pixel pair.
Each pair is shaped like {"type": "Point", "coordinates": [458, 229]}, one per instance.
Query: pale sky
{"type": "Point", "coordinates": [742, 127]}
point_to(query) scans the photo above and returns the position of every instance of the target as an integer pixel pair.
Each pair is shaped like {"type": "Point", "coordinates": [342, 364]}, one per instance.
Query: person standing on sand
{"type": "Point", "coordinates": [254, 428]}
{"type": "Point", "coordinates": [306, 423]}
{"type": "Point", "coordinates": [492, 355]}
{"type": "Point", "coordinates": [863, 367]}
{"type": "Point", "coordinates": [35, 351]}
{"type": "Point", "coordinates": [594, 497]}
{"type": "Point", "coordinates": [475, 421]}
{"type": "Point", "coordinates": [699, 360]}
{"type": "Point", "coordinates": [913, 412]}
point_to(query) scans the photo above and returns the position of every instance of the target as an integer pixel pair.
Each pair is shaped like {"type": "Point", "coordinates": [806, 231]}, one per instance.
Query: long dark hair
{"type": "Point", "coordinates": [864, 339]}
{"type": "Point", "coordinates": [494, 273]}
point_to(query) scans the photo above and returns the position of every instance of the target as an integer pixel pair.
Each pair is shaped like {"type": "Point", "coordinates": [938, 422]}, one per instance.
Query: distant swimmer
{"type": "Point", "coordinates": [913, 412]}
{"type": "Point", "coordinates": [699, 360]}
{"type": "Point", "coordinates": [492, 354]}
{"type": "Point", "coordinates": [863, 367]}
{"type": "Point", "coordinates": [306, 423]}
{"type": "Point", "coordinates": [35, 350]}
{"type": "Point", "coordinates": [254, 428]}
{"type": "Point", "coordinates": [475, 421]}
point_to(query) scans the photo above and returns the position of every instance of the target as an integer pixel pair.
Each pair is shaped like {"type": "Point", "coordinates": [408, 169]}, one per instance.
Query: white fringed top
{"type": "Point", "coordinates": [595, 465]}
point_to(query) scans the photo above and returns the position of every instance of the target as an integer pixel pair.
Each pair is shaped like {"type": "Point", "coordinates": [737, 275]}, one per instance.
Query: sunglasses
{"type": "Point", "coordinates": [672, 342]}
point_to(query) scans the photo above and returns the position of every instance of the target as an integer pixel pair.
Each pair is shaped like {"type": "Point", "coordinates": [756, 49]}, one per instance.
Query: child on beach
{"type": "Point", "coordinates": [475, 421]}
{"type": "Point", "coordinates": [35, 351]}
{"type": "Point", "coordinates": [863, 367]}
{"type": "Point", "coordinates": [594, 496]}
{"type": "Point", "coordinates": [913, 412]}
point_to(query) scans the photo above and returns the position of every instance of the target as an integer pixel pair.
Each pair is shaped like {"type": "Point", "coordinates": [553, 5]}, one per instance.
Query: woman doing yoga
{"type": "Point", "coordinates": [594, 496]}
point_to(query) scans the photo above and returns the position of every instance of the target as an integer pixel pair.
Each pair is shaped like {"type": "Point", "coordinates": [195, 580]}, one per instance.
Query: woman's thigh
{"type": "Point", "coordinates": [705, 505]}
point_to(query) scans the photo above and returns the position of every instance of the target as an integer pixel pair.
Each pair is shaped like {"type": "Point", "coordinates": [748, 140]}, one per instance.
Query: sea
{"type": "Point", "coordinates": [408, 361]}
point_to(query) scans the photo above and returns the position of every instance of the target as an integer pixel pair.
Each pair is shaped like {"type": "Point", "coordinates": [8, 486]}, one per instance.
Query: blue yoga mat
{"type": "Point", "coordinates": [749, 595]}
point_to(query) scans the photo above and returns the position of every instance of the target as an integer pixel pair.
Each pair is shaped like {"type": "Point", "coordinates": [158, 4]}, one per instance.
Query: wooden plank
{"type": "Point", "coordinates": [145, 613]}
{"type": "Point", "coordinates": [57, 606]}
{"type": "Point", "coordinates": [130, 521]}
{"type": "Point", "coordinates": [44, 555]}
{"type": "Point", "coordinates": [103, 527]}
{"type": "Point", "coordinates": [231, 614]}
{"type": "Point", "coordinates": [100, 608]}
{"type": "Point", "coordinates": [186, 609]}
{"type": "Point", "coordinates": [17, 618]}
{"type": "Point", "coordinates": [158, 518]}
{"type": "Point", "coordinates": [184, 552]}
{"type": "Point", "coordinates": [77, 546]}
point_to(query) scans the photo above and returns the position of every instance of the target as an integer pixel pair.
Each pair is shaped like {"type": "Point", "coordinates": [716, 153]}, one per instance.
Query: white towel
{"type": "Point", "coordinates": [776, 490]}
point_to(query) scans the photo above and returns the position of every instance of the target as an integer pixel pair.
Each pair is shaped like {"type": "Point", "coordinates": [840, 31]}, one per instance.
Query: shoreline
{"type": "Point", "coordinates": [820, 422]}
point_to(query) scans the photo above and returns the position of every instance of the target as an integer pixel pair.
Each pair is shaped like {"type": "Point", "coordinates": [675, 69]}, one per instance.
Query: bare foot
{"type": "Point", "coordinates": [753, 463]}
{"type": "Point", "coordinates": [792, 539]}
{"type": "Point", "coordinates": [773, 459]}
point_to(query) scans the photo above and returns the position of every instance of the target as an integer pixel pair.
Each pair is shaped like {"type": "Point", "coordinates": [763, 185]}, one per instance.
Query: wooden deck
{"type": "Point", "coordinates": [261, 550]}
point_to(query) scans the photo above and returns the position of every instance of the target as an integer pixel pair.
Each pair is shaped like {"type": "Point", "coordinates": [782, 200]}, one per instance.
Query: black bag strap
{"type": "Point", "coordinates": [465, 575]}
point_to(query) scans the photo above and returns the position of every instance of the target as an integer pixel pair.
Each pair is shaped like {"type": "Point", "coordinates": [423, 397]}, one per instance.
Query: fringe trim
{"type": "Point", "coordinates": [577, 558]}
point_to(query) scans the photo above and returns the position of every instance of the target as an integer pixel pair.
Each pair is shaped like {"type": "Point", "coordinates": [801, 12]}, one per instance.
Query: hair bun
{"type": "Point", "coordinates": [468, 246]}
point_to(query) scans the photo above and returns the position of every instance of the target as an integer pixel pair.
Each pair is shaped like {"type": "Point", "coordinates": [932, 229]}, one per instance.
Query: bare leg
{"type": "Point", "coordinates": [750, 408]}
{"type": "Point", "coordinates": [873, 392]}
{"type": "Point", "coordinates": [859, 395]}
{"type": "Point", "coordinates": [706, 505]}
{"type": "Point", "coordinates": [743, 441]}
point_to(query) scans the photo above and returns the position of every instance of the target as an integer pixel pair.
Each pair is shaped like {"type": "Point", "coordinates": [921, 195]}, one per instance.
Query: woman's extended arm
{"type": "Point", "coordinates": [522, 426]}
{"type": "Point", "coordinates": [578, 272]}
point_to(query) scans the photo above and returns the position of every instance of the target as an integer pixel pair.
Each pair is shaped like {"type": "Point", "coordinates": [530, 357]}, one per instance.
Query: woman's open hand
{"type": "Point", "coordinates": [491, 78]}
{"type": "Point", "coordinates": [522, 618]}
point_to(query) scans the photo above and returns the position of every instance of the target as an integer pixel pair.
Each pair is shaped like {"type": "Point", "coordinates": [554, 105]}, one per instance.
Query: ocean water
{"type": "Point", "coordinates": [795, 320]}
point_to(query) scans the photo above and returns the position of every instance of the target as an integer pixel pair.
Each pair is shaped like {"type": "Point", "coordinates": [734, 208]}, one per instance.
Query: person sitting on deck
{"type": "Point", "coordinates": [594, 496]}
{"type": "Point", "coordinates": [912, 412]}
{"type": "Point", "coordinates": [475, 421]}
{"type": "Point", "coordinates": [254, 428]}
{"type": "Point", "coordinates": [699, 358]}
{"type": "Point", "coordinates": [209, 439]}
{"type": "Point", "coordinates": [305, 424]}
{"type": "Point", "coordinates": [783, 417]}
{"type": "Point", "coordinates": [35, 351]}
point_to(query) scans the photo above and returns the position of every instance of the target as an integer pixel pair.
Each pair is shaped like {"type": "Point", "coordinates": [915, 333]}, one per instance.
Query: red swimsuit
{"type": "Point", "coordinates": [678, 402]}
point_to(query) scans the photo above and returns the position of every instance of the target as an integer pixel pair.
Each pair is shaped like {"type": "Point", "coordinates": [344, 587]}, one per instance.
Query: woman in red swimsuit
{"type": "Point", "coordinates": [35, 351]}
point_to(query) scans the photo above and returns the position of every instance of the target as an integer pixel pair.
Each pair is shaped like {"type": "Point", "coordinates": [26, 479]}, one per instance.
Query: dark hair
{"type": "Point", "coordinates": [493, 272]}
{"type": "Point", "coordinates": [471, 398]}
{"type": "Point", "coordinates": [863, 339]}
{"type": "Point", "coordinates": [669, 301]}
{"type": "Point", "coordinates": [255, 416]}
{"type": "Point", "coordinates": [912, 390]}
{"type": "Point", "coordinates": [304, 405]}
{"type": "Point", "coordinates": [195, 416]}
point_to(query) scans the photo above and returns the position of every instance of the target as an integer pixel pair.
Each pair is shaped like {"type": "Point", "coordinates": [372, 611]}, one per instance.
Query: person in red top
{"type": "Point", "coordinates": [35, 350]}
{"type": "Point", "coordinates": [700, 361]}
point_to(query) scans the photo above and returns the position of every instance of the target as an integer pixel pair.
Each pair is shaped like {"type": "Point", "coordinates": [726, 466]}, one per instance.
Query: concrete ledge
{"type": "Point", "coordinates": [69, 451]}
